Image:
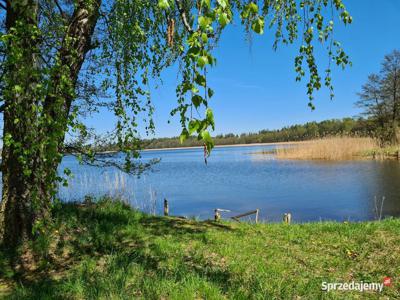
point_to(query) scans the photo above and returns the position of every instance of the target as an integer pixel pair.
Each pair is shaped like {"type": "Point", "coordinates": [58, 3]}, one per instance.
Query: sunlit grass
{"type": "Point", "coordinates": [109, 251]}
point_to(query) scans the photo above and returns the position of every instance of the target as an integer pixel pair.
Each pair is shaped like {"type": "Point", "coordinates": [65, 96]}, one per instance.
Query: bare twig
{"type": "Point", "coordinates": [62, 13]}
{"type": "Point", "coordinates": [182, 13]}
{"type": "Point", "coordinates": [103, 160]}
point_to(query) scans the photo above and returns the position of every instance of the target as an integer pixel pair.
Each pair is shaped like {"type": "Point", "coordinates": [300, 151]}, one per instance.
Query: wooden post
{"type": "Point", "coordinates": [166, 207]}
{"type": "Point", "coordinates": [287, 218]}
{"type": "Point", "coordinates": [257, 211]}
{"type": "Point", "coordinates": [87, 200]}
{"type": "Point", "coordinates": [217, 215]}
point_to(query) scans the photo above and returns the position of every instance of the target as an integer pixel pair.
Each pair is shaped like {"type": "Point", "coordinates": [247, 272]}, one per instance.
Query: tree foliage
{"type": "Point", "coordinates": [380, 99]}
{"type": "Point", "coordinates": [66, 59]}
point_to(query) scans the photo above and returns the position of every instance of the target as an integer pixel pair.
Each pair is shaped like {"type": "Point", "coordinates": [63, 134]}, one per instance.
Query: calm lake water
{"type": "Point", "coordinates": [238, 179]}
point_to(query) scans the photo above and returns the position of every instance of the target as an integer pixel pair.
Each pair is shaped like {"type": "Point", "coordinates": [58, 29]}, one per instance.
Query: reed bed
{"type": "Point", "coordinates": [330, 148]}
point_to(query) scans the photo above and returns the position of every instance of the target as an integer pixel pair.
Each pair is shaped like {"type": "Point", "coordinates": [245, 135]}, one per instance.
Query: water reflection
{"type": "Point", "coordinates": [386, 184]}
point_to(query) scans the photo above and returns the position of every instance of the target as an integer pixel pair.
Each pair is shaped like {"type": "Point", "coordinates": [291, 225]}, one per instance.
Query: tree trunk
{"type": "Point", "coordinates": [33, 137]}
{"type": "Point", "coordinates": [395, 133]}
{"type": "Point", "coordinates": [16, 213]}
{"type": "Point", "coordinates": [395, 126]}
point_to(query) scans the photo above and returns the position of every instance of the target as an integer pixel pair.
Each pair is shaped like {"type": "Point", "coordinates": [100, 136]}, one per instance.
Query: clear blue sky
{"type": "Point", "coordinates": [255, 88]}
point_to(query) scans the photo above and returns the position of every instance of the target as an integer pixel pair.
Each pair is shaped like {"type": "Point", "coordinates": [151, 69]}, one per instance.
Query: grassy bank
{"type": "Point", "coordinates": [109, 251]}
{"type": "Point", "coordinates": [337, 148]}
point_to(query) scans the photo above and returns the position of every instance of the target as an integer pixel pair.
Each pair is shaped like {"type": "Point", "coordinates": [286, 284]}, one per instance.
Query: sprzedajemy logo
{"type": "Point", "coordinates": [360, 286]}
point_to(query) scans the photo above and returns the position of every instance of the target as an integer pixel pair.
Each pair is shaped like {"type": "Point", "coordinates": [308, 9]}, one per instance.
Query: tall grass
{"type": "Point", "coordinates": [139, 193]}
{"type": "Point", "coordinates": [331, 148]}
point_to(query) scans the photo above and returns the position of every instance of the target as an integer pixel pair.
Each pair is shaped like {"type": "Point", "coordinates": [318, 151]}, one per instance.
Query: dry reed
{"type": "Point", "coordinates": [330, 148]}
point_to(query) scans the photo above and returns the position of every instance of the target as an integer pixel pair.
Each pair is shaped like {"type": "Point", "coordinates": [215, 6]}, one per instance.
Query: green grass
{"type": "Point", "coordinates": [109, 251]}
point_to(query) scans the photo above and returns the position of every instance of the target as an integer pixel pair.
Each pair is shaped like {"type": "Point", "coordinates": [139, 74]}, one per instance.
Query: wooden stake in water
{"type": "Point", "coordinates": [287, 218]}
{"type": "Point", "coordinates": [166, 207]}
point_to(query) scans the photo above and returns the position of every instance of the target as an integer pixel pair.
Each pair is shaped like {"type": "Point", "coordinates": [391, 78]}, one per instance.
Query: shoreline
{"type": "Point", "coordinates": [376, 154]}
{"type": "Point", "coordinates": [216, 146]}
{"type": "Point", "coordinates": [223, 146]}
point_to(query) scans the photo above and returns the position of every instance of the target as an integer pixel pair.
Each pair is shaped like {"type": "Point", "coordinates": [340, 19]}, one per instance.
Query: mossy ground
{"type": "Point", "coordinates": [109, 251]}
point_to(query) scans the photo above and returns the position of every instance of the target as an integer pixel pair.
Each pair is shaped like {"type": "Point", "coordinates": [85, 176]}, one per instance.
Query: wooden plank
{"type": "Point", "coordinates": [224, 210]}
{"type": "Point", "coordinates": [245, 214]}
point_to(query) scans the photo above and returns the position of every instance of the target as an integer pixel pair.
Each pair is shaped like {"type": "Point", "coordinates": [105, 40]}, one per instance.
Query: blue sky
{"type": "Point", "coordinates": [255, 87]}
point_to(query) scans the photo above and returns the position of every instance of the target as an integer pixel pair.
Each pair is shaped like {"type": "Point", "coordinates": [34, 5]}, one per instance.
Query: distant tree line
{"type": "Point", "coordinates": [307, 131]}
{"type": "Point", "coordinates": [380, 99]}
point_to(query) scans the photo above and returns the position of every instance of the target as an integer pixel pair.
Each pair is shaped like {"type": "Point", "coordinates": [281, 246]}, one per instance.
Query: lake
{"type": "Point", "coordinates": [239, 179]}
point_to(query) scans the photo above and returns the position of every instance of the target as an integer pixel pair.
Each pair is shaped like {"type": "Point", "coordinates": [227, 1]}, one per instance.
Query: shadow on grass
{"type": "Point", "coordinates": [177, 226]}
{"type": "Point", "coordinates": [96, 232]}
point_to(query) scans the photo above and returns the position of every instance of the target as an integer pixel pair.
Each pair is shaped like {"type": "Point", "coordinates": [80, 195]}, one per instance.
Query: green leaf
{"type": "Point", "coordinates": [206, 137]}
{"type": "Point", "coordinates": [223, 19]}
{"type": "Point", "coordinates": [204, 22]}
{"type": "Point", "coordinates": [17, 88]}
{"type": "Point", "coordinates": [197, 100]}
{"type": "Point", "coordinates": [67, 171]}
{"type": "Point", "coordinates": [204, 37]}
{"type": "Point", "coordinates": [184, 135]}
{"type": "Point", "coordinates": [205, 3]}
{"type": "Point", "coordinates": [210, 117]}
{"type": "Point", "coordinates": [163, 4]}
{"type": "Point", "coordinates": [194, 50]}
{"type": "Point", "coordinates": [210, 92]}
{"type": "Point", "coordinates": [245, 13]}
{"type": "Point", "coordinates": [211, 60]}
{"type": "Point", "coordinates": [258, 25]}
{"type": "Point", "coordinates": [202, 61]}
{"type": "Point", "coordinates": [200, 80]}
{"type": "Point", "coordinates": [222, 3]}
{"type": "Point", "coordinates": [187, 86]}
{"type": "Point", "coordinates": [253, 7]}
{"type": "Point", "coordinates": [27, 172]}
{"type": "Point", "coordinates": [194, 125]}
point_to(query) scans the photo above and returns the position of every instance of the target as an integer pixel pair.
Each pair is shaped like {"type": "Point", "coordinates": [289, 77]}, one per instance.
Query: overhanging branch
{"type": "Point", "coordinates": [102, 159]}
